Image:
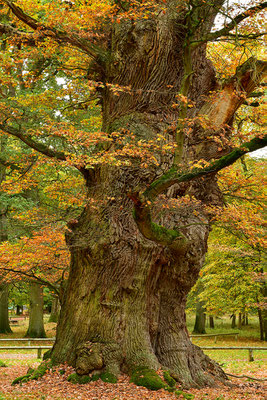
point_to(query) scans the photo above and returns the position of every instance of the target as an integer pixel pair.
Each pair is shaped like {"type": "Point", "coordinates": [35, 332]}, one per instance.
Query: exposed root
{"type": "Point", "coordinates": [34, 374]}
{"type": "Point", "coordinates": [248, 377]}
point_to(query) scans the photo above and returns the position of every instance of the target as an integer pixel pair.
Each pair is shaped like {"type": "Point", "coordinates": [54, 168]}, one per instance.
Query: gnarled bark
{"type": "Point", "coordinates": [130, 273]}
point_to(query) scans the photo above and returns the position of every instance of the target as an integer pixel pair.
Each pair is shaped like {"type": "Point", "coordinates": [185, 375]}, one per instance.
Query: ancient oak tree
{"type": "Point", "coordinates": [137, 248]}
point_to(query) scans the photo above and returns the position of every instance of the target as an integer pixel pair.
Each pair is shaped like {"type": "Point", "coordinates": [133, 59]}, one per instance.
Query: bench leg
{"type": "Point", "coordinates": [250, 355]}
{"type": "Point", "coordinates": [39, 353]}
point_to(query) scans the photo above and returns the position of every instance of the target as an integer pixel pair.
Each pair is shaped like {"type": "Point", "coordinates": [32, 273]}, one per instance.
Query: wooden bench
{"type": "Point", "coordinates": [215, 335]}
{"type": "Point", "coordinates": [29, 340]}
{"type": "Point", "coordinates": [38, 348]}
{"type": "Point", "coordinates": [13, 321]}
{"type": "Point", "coordinates": [250, 350]}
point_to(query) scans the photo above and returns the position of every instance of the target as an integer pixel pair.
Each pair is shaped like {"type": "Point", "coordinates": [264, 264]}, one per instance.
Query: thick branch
{"type": "Point", "coordinates": [231, 25]}
{"type": "Point", "coordinates": [172, 177]}
{"type": "Point", "coordinates": [219, 111]}
{"type": "Point", "coordinates": [27, 139]}
{"type": "Point", "coordinates": [58, 36]}
{"type": "Point", "coordinates": [221, 107]}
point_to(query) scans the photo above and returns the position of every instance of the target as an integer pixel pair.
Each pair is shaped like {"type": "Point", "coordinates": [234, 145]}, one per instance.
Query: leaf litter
{"type": "Point", "coordinates": [54, 386]}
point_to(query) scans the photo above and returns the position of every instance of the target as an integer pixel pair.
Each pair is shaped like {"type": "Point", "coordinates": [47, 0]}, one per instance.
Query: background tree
{"type": "Point", "coordinates": [36, 309]}
{"type": "Point", "coordinates": [4, 317]}
{"type": "Point", "coordinates": [233, 277]}
{"type": "Point", "coordinates": [167, 123]}
{"type": "Point", "coordinates": [200, 320]}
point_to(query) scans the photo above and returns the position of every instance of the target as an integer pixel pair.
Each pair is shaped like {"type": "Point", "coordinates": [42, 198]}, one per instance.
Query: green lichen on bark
{"type": "Point", "coordinates": [144, 376]}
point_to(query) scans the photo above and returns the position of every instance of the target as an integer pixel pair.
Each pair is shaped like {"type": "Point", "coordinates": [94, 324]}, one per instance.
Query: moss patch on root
{"type": "Point", "coordinates": [34, 374]}
{"type": "Point", "coordinates": [105, 377]}
{"type": "Point", "coordinates": [81, 379]}
{"type": "Point", "coordinates": [144, 376]}
{"type": "Point", "coordinates": [108, 377]}
{"type": "Point", "coordinates": [186, 396]}
{"type": "Point", "coordinates": [168, 378]}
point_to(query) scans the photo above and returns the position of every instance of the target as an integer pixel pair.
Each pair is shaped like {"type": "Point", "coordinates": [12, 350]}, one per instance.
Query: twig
{"type": "Point", "coordinates": [248, 377]}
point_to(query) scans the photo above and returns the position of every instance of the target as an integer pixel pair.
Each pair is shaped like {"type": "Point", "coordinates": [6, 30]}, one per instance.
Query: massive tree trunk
{"type": "Point", "coordinates": [124, 303]}
{"type": "Point", "coordinates": [127, 292]}
{"type": "Point", "coordinates": [36, 322]}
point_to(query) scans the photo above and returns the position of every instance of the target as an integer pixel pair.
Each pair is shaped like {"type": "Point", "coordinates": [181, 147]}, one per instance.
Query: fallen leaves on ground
{"type": "Point", "coordinates": [54, 386]}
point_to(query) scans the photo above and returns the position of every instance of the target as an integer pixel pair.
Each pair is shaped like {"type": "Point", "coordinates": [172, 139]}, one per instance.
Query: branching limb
{"type": "Point", "coordinates": [43, 31]}
{"type": "Point", "coordinates": [27, 38]}
{"type": "Point", "coordinates": [219, 111]}
{"type": "Point", "coordinates": [172, 177]}
{"type": "Point", "coordinates": [231, 25]}
{"type": "Point", "coordinates": [27, 139]}
{"type": "Point", "coordinates": [31, 276]}
{"type": "Point", "coordinates": [142, 214]}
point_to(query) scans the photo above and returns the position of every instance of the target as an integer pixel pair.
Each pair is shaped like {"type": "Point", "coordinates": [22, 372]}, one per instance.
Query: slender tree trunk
{"type": "Point", "coordinates": [261, 323]}
{"type": "Point", "coordinates": [36, 322]}
{"type": "Point", "coordinates": [19, 309]}
{"type": "Point", "coordinates": [246, 319]}
{"type": "Point", "coordinates": [4, 318]}
{"type": "Point", "coordinates": [265, 324]}
{"type": "Point", "coordinates": [233, 323]}
{"type": "Point", "coordinates": [239, 325]}
{"type": "Point", "coordinates": [211, 319]}
{"type": "Point", "coordinates": [200, 321]}
{"type": "Point", "coordinates": [55, 310]}
{"type": "Point", "coordinates": [262, 311]}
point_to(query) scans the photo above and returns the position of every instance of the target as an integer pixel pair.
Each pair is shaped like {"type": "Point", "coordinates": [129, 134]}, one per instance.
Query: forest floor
{"type": "Point", "coordinates": [54, 386]}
